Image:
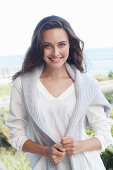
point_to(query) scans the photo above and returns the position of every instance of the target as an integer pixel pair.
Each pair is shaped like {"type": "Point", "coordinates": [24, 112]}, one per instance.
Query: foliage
{"type": "Point", "coordinates": [14, 160]}
{"type": "Point", "coordinates": [103, 76]}
{"type": "Point", "coordinates": [4, 141]}
{"type": "Point", "coordinates": [3, 116]}
{"type": "Point", "coordinates": [90, 132]}
{"type": "Point", "coordinates": [110, 75]}
{"type": "Point", "coordinates": [4, 132]}
{"type": "Point", "coordinates": [4, 90]}
{"type": "Point", "coordinates": [111, 115]}
{"type": "Point", "coordinates": [100, 76]}
{"type": "Point", "coordinates": [9, 157]}
{"type": "Point", "coordinates": [107, 158]}
{"type": "Point", "coordinates": [109, 95]}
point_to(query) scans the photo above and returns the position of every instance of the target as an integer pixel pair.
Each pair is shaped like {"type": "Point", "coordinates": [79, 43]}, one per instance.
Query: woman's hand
{"type": "Point", "coordinates": [56, 153]}
{"type": "Point", "coordinates": [70, 145]}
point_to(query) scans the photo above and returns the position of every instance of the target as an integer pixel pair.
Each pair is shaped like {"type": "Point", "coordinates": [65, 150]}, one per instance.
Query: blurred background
{"type": "Point", "coordinates": [92, 23]}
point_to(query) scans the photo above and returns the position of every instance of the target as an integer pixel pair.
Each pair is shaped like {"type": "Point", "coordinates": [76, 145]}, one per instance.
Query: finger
{"type": "Point", "coordinates": [54, 159]}
{"type": "Point", "coordinates": [59, 148]}
{"type": "Point", "coordinates": [66, 137]}
{"type": "Point", "coordinates": [69, 145]}
{"type": "Point", "coordinates": [71, 151]}
{"type": "Point", "coordinates": [57, 160]}
{"type": "Point", "coordinates": [59, 154]}
{"type": "Point", "coordinates": [67, 141]}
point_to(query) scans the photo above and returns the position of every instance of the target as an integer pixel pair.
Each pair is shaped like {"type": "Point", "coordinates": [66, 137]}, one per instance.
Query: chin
{"type": "Point", "coordinates": [55, 65]}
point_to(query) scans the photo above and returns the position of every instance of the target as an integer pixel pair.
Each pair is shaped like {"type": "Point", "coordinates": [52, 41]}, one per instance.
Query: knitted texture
{"type": "Point", "coordinates": [87, 93]}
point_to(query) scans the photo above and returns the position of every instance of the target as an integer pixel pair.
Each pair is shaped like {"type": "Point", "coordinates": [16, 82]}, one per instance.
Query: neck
{"type": "Point", "coordinates": [55, 73]}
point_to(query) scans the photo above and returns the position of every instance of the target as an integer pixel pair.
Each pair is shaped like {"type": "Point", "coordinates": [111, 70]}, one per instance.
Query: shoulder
{"type": "Point", "coordinates": [89, 85]}
{"type": "Point", "coordinates": [85, 78]}
{"type": "Point", "coordinates": [17, 84]}
{"type": "Point", "coordinates": [89, 80]}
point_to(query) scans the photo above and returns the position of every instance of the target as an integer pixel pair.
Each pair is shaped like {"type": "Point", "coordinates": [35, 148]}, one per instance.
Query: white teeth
{"type": "Point", "coordinates": [55, 59]}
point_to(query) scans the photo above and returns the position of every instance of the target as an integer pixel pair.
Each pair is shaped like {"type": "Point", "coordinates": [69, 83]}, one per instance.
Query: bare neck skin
{"type": "Point", "coordinates": [57, 73]}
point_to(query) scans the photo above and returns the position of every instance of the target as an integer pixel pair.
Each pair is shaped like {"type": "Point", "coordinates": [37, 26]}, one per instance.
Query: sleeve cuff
{"type": "Point", "coordinates": [105, 141]}
{"type": "Point", "coordinates": [23, 140]}
{"type": "Point", "coordinates": [18, 143]}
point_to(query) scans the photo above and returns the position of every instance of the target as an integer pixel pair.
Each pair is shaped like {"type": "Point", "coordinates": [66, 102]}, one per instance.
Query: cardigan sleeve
{"type": "Point", "coordinates": [100, 124]}
{"type": "Point", "coordinates": [17, 117]}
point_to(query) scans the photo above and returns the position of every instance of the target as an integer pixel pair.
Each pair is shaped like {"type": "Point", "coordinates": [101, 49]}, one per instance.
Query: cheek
{"type": "Point", "coordinates": [46, 52]}
{"type": "Point", "coordinates": [66, 51]}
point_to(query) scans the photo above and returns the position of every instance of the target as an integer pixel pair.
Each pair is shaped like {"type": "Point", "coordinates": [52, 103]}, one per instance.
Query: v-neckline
{"type": "Point", "coordinates": [50, 96]}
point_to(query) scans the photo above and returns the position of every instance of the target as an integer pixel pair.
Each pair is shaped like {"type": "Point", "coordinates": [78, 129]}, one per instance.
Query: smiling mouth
{"type": "Point", "coordinates": [55, 59]}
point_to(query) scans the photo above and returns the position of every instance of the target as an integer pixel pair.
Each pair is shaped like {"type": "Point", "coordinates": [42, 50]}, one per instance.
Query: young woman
{"type": "Point", "coordinates": [53, 100]}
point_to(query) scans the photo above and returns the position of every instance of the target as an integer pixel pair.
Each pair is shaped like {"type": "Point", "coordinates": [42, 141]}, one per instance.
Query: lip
{"type": "Point", "coordinates": [55, 60]}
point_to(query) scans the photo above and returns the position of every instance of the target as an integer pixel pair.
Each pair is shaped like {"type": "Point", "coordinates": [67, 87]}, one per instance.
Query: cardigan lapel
{"type": "Point", "coordinates": [29, 82]}
{"type": "Point", "coordinates": [80, 105]}
{"type": "Point", "coordinates": [29, 86]}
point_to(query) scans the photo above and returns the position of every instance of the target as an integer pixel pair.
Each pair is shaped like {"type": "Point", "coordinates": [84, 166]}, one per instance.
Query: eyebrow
{"type": "Point", "coordinates": [51, 43]}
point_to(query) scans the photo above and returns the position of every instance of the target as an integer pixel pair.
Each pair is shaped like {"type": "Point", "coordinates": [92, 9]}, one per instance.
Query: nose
{"type": "Point", "coordinates": [55, 51]}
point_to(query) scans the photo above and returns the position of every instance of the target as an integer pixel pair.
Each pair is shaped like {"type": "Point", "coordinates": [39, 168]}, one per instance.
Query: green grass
{"type": "Point", "coordinates": [4, 90]}
{"type": "Point", "coordinates": [14, 160]}
{"type": "Point", "coordinates": [9, 157]}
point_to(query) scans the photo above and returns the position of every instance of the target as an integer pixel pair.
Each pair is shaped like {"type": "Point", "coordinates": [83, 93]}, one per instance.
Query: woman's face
{"type": "Point", "coordinates": [56, 47]}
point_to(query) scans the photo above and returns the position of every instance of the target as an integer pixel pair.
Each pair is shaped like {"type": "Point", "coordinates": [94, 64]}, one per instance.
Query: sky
{"type": "Point", "coordinates": [92, 21]}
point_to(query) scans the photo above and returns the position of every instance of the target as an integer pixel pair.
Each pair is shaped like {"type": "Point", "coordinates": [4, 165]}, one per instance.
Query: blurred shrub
{"type": "Point", "coordinates": [4, 131]}
{"type": "Point", "coordinates": [107, 157]}
{"type": "Point", "coordinates": [14, 160]}
{"type": "Point", "coordinates": [103, 76]}
{"type": "Point", "coordinates": [90, 132]}
{"type": "Point", "coordinates": [4, 90]}
{"type": "Point", "coordinates": [110, 75]}
{"type": "Point", "coordinates": [109, 95]}
{"type": "Point", "coordinates": [100, 76]}
{"type": "Point", "coordinates": [4, 141]}
{"type": "Point", "coordinates": [111, 115]}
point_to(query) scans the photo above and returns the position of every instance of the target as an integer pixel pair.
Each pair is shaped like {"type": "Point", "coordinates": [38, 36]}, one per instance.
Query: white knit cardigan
{"type": "Point", "coordinates": [87, 93]}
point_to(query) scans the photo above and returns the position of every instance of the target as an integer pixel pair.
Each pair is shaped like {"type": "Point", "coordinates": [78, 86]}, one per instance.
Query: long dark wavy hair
{"type": "Point", "coordinates": [34, 55]}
